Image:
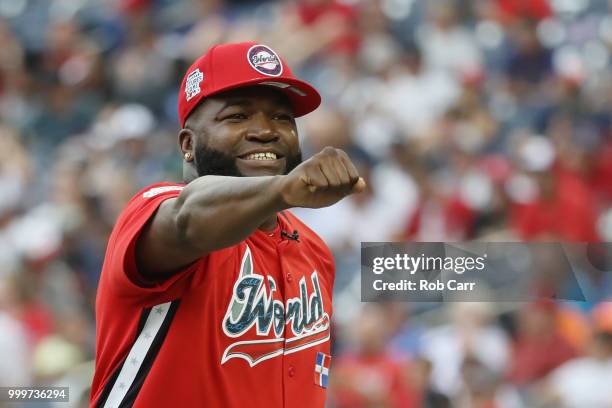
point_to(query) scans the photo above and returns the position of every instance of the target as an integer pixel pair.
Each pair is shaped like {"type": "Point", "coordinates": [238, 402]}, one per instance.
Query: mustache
{"type": "Point", "coordinates": [213, 162]}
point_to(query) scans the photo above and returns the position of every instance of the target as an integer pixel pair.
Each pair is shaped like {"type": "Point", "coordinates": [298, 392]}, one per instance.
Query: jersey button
{"type": "Point", "coordinates": [291, 371]}
{"type": "Point", "coordinates": [289, 277]}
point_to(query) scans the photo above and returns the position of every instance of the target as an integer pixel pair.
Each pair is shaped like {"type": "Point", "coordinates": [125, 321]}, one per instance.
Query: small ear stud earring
{"type": "Point", "coordinates": [188, 156]}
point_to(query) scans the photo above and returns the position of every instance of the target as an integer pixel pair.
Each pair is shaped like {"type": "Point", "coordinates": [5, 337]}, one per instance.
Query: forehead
{"type": "Point", "coordinates": [253, 95]}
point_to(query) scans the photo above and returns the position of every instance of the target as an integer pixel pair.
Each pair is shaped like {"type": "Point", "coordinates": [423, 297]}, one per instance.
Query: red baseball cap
{"type": "Point", "coordinates": [230, 66]}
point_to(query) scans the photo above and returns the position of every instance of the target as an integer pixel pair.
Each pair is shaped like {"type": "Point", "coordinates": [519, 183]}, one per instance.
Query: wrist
{"type": "Point", "coordinates": [279, 193]}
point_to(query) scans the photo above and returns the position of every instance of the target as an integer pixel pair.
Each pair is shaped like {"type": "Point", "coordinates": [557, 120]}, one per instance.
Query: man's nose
{"type": "Point", "coordinates": [262, 129]}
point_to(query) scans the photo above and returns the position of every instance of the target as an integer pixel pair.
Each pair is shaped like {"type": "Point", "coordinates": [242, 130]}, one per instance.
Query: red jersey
{"type": "Point", "coordinates": [244, 326]}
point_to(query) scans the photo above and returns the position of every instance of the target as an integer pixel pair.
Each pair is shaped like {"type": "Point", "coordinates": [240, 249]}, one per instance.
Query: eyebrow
{"type": "Point", "coordinates": [235, 102]}
{"type": "Point", "coordinates": [246, 102]}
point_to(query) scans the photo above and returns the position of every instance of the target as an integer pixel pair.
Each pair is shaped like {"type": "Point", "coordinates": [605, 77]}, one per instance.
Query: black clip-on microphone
{"type": "Point", "coordinates": [295, 236]}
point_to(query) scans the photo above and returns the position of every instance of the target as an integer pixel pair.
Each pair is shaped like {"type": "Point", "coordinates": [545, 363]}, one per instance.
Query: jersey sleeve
{"type": "Point", "coordinates": [120, 264]}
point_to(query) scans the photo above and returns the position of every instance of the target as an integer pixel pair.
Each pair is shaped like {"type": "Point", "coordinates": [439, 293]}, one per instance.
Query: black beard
{"type": "Point", "coordinates": [211, 162]}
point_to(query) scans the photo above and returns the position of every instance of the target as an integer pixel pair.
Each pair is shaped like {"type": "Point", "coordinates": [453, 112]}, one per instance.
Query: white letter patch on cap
{"type": "Point", "coordinates": [192, 86]}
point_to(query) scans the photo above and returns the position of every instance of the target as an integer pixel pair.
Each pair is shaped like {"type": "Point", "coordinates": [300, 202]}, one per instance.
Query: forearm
{"type": "Point", "coordinates": [215, 212]}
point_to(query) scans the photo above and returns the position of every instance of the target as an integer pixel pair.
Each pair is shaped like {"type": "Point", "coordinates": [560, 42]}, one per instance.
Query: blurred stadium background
{"type": "Point", "coordinates": [484, 119]}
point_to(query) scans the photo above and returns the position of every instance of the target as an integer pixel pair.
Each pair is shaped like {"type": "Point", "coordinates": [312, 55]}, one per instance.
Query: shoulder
{"type": "Point", "coordinates": [120, 268]}
{"type": "Point", "coordinates": [137, 212]}
{"type": "Point", "coordinates": [151, 196]}
{"type": "Point", "coordinates": [157, 190]}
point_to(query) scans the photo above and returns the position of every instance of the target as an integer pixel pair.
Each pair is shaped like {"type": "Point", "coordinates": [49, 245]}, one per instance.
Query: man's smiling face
{"type": "Point", "coordinates": [244, 132]}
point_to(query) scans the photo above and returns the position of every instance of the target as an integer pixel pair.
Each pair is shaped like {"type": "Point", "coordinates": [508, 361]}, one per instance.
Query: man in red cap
{"type": "Point", "coordinates": [211, 294]}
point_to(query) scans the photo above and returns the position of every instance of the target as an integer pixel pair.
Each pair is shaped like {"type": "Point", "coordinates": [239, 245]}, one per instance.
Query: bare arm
{"type": "Point", "coordinates": [215, 212]}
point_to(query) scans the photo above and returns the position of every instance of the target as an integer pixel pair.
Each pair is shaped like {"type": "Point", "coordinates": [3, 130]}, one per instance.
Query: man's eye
{"type": "Point", "coordinates": [236, 116]}
{"type": "Point", "coordinates": [283, 116]}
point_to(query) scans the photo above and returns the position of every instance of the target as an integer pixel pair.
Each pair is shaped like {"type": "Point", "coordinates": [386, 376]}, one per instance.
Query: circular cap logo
{"type": "Point", "coordinates": [264, 60]}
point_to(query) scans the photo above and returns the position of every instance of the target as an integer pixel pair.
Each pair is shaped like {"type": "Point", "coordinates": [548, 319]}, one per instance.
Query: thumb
{"type": "Point", "coordinates": [359, 186]}
{"type": "Point", "coordinates": [306, 180]}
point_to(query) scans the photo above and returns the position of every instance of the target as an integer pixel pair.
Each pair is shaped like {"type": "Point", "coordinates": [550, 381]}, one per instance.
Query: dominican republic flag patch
{"type": "Point", "coordinates": [321, 374]}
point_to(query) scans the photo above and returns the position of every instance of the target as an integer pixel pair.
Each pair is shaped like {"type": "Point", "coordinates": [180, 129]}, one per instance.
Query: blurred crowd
{"type": "Point", "coordinates": [470, 120]}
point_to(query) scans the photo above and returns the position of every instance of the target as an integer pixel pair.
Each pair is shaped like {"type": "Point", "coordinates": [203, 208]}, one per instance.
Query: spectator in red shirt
{"type": "Point", "coordinates": [539, 348]}
{"type": "Point", "coordinates": [370, 376]}
{"type": "Point", "coordinates": [562, 206]}
{"type": "Point", "coordinates": [326, 13]}
{"type": "Point", "coordinates": [510, 10]}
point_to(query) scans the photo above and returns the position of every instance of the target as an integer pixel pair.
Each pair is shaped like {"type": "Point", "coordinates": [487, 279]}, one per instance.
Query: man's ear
{"type": "Point", "coordinates": [186, 139]}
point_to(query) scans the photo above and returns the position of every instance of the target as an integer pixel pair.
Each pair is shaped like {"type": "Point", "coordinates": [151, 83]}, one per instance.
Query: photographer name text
{"type": "Point", "coordinates": [423, 285]}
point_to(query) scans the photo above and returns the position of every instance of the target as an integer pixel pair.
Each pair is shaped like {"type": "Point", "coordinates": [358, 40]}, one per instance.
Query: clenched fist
{"type": "Point", "coordinates": [322, 180]}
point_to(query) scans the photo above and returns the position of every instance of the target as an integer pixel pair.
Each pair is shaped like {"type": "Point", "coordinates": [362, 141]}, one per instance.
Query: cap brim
{"type": "Point", "coordinates": [304, 97]}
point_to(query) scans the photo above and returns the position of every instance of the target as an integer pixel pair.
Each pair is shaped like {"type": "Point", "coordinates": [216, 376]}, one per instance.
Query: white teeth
{"type": "Point", "coordinates": [261, 156]}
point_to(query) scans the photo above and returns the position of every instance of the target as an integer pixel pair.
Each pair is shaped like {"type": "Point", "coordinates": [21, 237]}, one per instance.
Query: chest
{"type": "Point", "coordinates": [262, 300]}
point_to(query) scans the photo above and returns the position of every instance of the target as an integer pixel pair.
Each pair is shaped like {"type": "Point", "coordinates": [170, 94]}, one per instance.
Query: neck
{"type": "Point", "coordinates": [189, 173]}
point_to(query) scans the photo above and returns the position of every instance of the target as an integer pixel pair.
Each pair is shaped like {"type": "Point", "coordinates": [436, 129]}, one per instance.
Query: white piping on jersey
{"type": "Point", "coordinates": [137, 354]}
{"type": "Point", "coordinates": [158, 190]}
